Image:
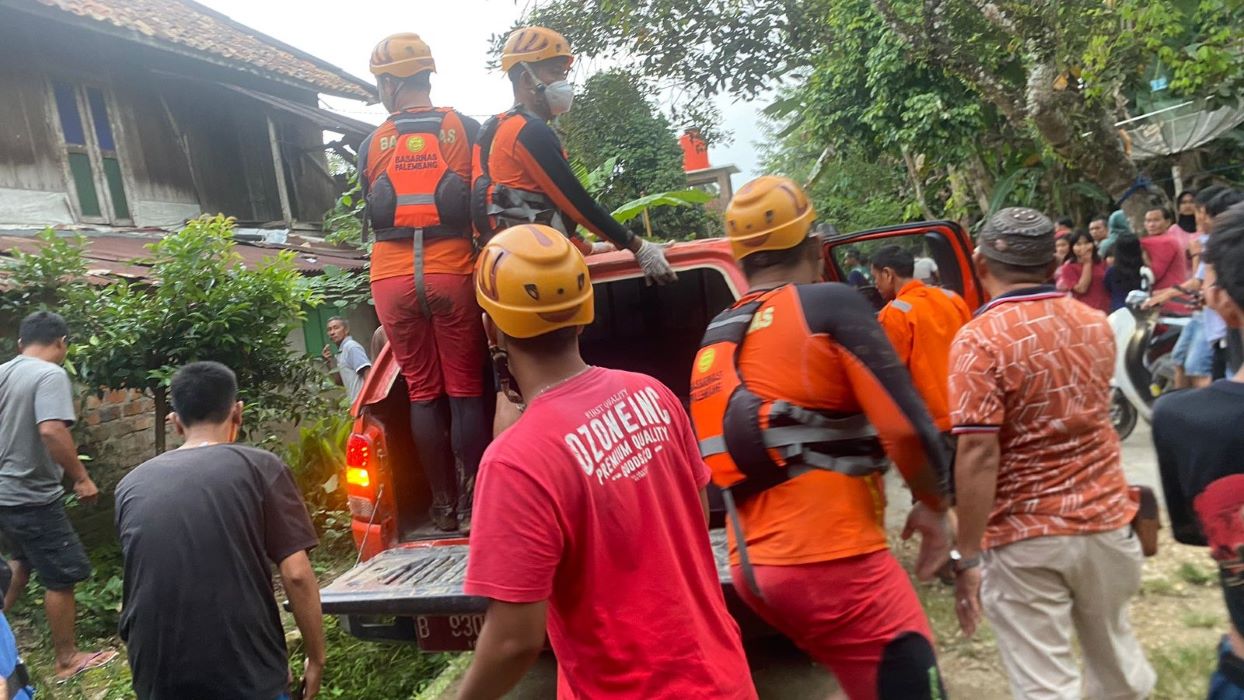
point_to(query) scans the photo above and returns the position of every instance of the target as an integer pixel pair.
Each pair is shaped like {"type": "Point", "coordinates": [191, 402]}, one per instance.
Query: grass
{"type": "Point", "coordinates": [1183, 670]}
{"type": "Point", "coordinates": [1202, 620]}
{"type": "Point", "coordinates": [1196, 575]}
{"type": "Point", "coordinates": [1159, 586]}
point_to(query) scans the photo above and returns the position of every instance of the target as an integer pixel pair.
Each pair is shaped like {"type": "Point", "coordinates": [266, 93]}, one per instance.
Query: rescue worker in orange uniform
{"type": "Point", "coordinates": [521, 172]}
{"type": "Point", "coordinates": [921, 322]}
{"type": "Point", "coordinates": [415, 171]}
{"type": "Point", "coordinates": [800, 404]}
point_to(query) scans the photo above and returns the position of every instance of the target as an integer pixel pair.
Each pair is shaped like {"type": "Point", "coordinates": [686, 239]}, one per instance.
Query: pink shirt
{"type": "Point", "coordinates": [591, 501]}
{"type": "Point", "coordinates": [1097, 295]}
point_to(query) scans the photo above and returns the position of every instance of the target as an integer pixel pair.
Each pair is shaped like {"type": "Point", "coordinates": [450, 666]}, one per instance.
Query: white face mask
{"type": "Point", "coordinates": [559, 96]}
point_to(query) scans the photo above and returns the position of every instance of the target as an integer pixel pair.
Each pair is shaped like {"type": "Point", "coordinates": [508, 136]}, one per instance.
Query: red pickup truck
{"type": "Point", "coordinates": [408, 585]}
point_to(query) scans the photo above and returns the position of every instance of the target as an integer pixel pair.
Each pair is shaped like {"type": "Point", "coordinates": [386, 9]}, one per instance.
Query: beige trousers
{"type": "Point", "coordinates": [1036, 591]}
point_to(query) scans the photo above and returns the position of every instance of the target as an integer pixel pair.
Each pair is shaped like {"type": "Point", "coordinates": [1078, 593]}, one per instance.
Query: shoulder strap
{"type": "Point", "coordinates": [486, 134]}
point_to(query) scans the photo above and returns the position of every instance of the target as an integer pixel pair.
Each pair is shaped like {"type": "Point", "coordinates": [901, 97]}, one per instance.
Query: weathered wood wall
{"type": "Point", "coordinates": [185, 144]}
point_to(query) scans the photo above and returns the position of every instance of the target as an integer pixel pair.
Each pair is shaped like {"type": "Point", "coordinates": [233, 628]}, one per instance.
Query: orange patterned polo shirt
{"type": "Point", "coordinates": [1035, 367]}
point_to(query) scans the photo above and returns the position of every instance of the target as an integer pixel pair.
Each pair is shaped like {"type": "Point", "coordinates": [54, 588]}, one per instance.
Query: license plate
{"type": "Point", "coordinates": [448, 632]}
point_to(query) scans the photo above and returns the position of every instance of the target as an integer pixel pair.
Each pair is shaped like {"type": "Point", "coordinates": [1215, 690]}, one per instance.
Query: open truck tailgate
{"type": "Point", "coordinates": [427, 579]}
{"type": "Point", "coordinates": [413, 593]}
{"type": "Point", "coordinates": [413, 580]}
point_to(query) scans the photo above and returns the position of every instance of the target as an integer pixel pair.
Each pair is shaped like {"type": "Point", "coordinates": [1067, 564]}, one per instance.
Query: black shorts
{"type": "Point", "coordinates": [43, 538]}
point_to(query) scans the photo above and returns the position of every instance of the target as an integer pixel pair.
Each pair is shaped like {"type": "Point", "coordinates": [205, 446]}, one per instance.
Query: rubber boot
{"type": "Point", "coordinates": [431, 434]}
{"type": "Point", "coordinates": [470, 434]}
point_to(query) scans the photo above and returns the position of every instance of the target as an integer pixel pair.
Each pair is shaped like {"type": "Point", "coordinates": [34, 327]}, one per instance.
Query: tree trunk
{"type": "Point", "coordinates": [161, 411]}
{"type": "Point", "coordinates": [959, 190]}
{"type": "Point", "coordinates": [916, 184]}
{"type": "Point", "coordinates": [981, 181]}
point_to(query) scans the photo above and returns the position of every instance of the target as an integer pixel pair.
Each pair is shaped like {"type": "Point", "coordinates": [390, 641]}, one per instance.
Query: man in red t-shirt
{"type": "Point", "coordinates": [590, 511]}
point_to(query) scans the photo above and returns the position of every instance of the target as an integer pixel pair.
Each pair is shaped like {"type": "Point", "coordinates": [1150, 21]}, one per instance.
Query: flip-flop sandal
{"type": "Point", "coordinates": [97, 660]}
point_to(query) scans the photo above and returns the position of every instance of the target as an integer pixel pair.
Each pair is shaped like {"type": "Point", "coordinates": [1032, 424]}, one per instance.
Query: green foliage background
{"type": "Point", "coordinates": [613, 121]}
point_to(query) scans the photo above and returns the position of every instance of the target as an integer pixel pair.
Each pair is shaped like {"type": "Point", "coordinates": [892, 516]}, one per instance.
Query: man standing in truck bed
{"type": "Point", "coordinates": [521, 172]}
{"type": "Point", "coordinates": [590, 517]}
{"type": "Point", "coordinates": [415, 170]}
{"type": "Point", "coordinates": [799, 447]}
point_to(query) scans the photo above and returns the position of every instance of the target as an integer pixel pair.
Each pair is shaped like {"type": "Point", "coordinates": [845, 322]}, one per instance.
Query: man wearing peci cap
{"type": "Point", "coordinates": [1045, 545]}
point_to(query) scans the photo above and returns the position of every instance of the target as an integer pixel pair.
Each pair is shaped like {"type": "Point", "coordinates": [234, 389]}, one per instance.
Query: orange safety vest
{"type": "Point", "coordinates": [417, 194]}
{"type": "Point", "coordinates": [752, 444]}
{"type": "Point", "coordinates": [496, 207]}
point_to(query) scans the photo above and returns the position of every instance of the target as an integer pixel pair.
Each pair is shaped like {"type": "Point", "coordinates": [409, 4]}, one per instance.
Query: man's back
{"type": "Point", "coordinates": [31, 391]}
{"type": "Point", "coordinates": [835, 358]}
{"type": "Point", "coordinates": [199, 530]}
{"type": "Point", "coordinates": [1044, 362]}
{"type": "Point", "coordinates": [591, 501]}
{"type": "Point", "coordinates": [1198, 440]}
{"type": "Point", "coordinates": [922, 322]}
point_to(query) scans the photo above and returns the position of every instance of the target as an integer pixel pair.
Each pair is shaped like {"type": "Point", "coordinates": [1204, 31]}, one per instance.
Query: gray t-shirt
{"type": "Point", "coordinates": [31, 391]}
{"type": "Point", "coordinates": [352, 359]}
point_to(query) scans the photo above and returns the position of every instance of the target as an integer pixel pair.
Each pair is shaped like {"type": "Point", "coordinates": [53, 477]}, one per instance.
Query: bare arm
{"type": "Point", "coordinates": [512, 638]}
{"type": "Point", "coordinates": [1086, 278]}
{"type": "Point", "coordinates": [60, 445]}
{"type": "Point", "coordinates": [976, 483]}
{"type": "Point", "coordinates": [304, 596]}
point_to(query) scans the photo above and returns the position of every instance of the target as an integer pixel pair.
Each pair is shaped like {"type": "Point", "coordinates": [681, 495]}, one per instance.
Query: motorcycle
{"type": "Point", "coordinates": [1144, 368]}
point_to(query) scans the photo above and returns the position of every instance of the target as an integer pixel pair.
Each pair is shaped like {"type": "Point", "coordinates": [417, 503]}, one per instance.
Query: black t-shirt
{"type": "Point", "coordinates": [200, 530]}
{"type": "Point", "coordinates": [1199, 439]}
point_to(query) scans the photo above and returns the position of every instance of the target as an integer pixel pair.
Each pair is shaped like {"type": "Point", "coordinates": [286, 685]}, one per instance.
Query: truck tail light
{"type": "Point", "coordinates": [360, 465]}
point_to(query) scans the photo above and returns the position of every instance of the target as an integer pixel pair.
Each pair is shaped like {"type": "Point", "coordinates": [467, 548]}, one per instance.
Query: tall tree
{"type": "Point", "coordinates": [614, 121]}
{"type": "Point", "coordinates": [1056, 69]}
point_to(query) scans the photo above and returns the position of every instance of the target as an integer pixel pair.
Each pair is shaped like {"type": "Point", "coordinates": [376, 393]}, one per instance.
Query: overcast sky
{"type": "Point", "coordinates": [343, 33]}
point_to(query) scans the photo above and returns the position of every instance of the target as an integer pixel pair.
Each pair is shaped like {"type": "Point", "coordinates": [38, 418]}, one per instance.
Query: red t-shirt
{"type": "Point", "coordinates": [1097, 295]}
{"type": "Point", "coordinates": [591, 501]}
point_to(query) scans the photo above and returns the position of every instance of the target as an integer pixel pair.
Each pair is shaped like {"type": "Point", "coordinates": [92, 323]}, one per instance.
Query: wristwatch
{"type": "Point", "coordinates": [960, 563]}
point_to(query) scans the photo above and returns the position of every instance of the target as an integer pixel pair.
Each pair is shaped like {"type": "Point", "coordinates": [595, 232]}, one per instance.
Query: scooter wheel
{"type": "Point", "coordinates": [1122, 414]}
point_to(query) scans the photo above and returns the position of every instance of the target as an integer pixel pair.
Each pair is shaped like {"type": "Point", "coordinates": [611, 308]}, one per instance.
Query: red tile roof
{"type": "Point", "coordinates": [190, 27]}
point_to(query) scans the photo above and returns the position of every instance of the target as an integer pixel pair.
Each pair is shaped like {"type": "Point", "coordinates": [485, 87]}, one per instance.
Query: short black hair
{"type": "Point", "coordinates": [766, 259]}
{"type": "Point", "coordinates": [1224, 201]}
{"type": "Point", "coordinates": [1166, 212]}
{"type": "Point", "coordinates": [42, 328]}
{"type": "Point", "coordinates": [1103, 218]}
{"type": "Point", "coordinates": [1206, 195]}
{"type": "Point", "coordinates": [203, 392]}
{"type": "Point", "coordinates": [549, 343]}
{"type": "Point", "coordinates": [1185, 193]}
{"type": "Point", "coordinates": [896, 258]}
{"type": "Point", "coordinates": [421, 82]}
{"type": "Point", "coordinates": [1013, 274]}
{"type": "Point", "coordinates": [1065, 222]}
{"type": "Point", "coordinates": [1225, 252]}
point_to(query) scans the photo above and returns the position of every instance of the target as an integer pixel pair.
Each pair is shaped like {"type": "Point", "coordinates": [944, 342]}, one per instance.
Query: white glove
{"type": "Point", "coordinates": [651, 259]}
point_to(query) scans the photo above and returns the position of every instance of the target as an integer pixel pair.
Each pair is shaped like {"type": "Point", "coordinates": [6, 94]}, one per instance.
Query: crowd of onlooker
{"type": "Point", "coordinates": [1102, 264]}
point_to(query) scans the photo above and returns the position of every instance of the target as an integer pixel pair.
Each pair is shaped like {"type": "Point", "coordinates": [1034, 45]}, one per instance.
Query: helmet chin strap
{"type": "Point", "coordinates": [540, 87]}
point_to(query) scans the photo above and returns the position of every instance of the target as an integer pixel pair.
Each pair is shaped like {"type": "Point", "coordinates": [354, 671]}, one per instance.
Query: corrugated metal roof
{"type": "Point", "coordinates": [188, 26]}
{"type": "Point", "coordinates": [110, 255]}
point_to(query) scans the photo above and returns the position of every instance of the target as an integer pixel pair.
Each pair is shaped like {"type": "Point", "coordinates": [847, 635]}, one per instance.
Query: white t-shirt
{"type": "Point", "coordinates": [926, 270]}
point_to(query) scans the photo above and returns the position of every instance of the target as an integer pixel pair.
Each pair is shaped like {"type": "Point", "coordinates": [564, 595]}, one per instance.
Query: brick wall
{"type": "Point", "coordinates": [118, 432]}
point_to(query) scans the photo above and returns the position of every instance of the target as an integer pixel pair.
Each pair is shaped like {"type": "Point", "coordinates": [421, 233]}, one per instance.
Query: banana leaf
{"type": "Point", "coordinates": [675, 198]}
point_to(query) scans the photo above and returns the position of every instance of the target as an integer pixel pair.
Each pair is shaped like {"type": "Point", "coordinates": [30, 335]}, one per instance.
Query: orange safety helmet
{"type": "Point", "coordinates": [531, 280]}
{"type": "Point", "coordinates": [531, 45]}
{"type": "Point", "coordinates": [768, 213]}
{"type": "Point", "coordinates": [402, 56]}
